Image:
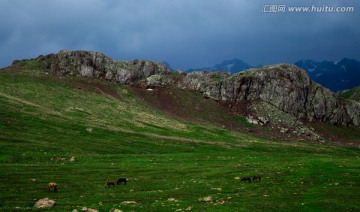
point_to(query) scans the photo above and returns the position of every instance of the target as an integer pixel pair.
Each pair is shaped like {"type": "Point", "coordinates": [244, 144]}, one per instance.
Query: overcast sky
{"type": "Point", "coordinates": [184, 33]}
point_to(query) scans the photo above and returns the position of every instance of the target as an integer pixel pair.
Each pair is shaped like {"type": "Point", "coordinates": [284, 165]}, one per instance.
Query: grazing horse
{"type": "Point", "coordinates": [52, 186]}
{"type": "Point", "coordinates": [109, 183]}
{"type": "Point", "coordinates": [246, 179]}
{"type": "Point", "coordinates": [121, 180]}
{"type": "Point", "coordinates": [257, 177]}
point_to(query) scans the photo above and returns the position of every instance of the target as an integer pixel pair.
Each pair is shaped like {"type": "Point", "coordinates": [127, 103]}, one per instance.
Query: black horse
{"type": "Point", "coordinates": [246, 179]}
{"type": "Point", "coordinates": [121, 180]}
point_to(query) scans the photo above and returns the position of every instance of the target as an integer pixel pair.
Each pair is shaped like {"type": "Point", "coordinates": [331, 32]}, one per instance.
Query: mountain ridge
{"type": "Point", "coordinates": [282, 87]}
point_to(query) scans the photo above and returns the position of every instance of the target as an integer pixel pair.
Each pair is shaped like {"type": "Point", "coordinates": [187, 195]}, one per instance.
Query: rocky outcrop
{"type": "Point", "coordinates": [130, 72]}
{"type": "Point", "coordinates": [287, 87]}
{"type": "Point", "coordinates": [159, 80]}
{"type": "Point", "coordinates": [97, 65]}
{"type": "Point", "coordinates": [203, 81]}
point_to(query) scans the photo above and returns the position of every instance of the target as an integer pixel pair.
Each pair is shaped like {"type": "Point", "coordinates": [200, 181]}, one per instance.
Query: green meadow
{"type": "Point", "coordinates": [171, 164]}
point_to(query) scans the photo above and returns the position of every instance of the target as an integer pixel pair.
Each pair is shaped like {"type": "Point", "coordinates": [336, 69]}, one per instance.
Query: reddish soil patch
{"type": "Point", "coordinates": [241, 108]}
{"type": "Point", "coordinates": [193, 107]}
{"type": "Point", "coordinates": [174, 102]}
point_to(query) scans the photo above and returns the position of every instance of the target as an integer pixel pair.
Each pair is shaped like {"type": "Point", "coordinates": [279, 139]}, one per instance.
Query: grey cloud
{"type": "Point", "coordinates": [184, 33]}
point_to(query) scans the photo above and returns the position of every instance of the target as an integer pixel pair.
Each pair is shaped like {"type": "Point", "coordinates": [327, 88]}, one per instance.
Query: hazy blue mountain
{"type": "Point", "coordinates": [341, 75]}
{"type": "Point", "coordinates": [233, 66]}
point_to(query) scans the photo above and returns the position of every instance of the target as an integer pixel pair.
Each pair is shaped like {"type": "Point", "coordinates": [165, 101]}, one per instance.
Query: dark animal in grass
{"type": "Point", "coordinates": [121, 180]}
{"type": "Point", "coordinates": [257, 178]}
{"type": "Point", "coordinates": [52, 186]}
{"type": "Point", "coordinates": [109, 183]}
{"type": "Point", "coordinates": [246, 179]}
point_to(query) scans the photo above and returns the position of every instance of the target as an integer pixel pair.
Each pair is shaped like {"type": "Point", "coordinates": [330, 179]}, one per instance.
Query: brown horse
{"type": "Point", "coordinates": [246, 179]}
{"type": "Point", "coordinates": [257, 178]}
{"type": "Point", "coordinates": [52, 186]}
{"type": "Point", "coordinates": [109, 183]}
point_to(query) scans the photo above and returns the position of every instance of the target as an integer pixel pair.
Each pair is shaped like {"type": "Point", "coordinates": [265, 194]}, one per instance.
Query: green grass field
{"type": "Point", "coordinates": [170, 164]}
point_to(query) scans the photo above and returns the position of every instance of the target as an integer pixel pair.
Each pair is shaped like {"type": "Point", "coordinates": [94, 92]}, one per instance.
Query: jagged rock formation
{"type": "Point", "coordinates": [94, 64]}
{"type": "Point", "coordinates": [287, 87]}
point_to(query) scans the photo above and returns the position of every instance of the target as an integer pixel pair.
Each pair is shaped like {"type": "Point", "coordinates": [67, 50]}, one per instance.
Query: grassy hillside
{"type": "Point", "coordinates": [170, 164]}
{"type": "Point", "coordinates": [353, 94]}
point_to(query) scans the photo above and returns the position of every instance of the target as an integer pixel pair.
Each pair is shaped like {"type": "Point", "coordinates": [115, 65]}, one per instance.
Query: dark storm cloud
{"type": "Point", "coordinates": [185, 33]}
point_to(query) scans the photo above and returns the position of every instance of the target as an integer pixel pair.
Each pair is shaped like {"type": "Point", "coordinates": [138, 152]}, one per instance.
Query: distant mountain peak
{"type": "Point", "coordinates": [339, 75]}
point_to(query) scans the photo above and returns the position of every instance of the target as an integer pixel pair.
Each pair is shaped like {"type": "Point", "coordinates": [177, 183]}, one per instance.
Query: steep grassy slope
{"type": "Point", "coordinates": [170, 164]}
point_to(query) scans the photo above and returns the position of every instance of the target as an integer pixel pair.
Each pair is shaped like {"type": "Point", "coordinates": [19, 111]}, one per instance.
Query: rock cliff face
{"type": "Point", "coordinates": [287, 87]}
{"type": "Point", "coordinates": [94, 64]}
